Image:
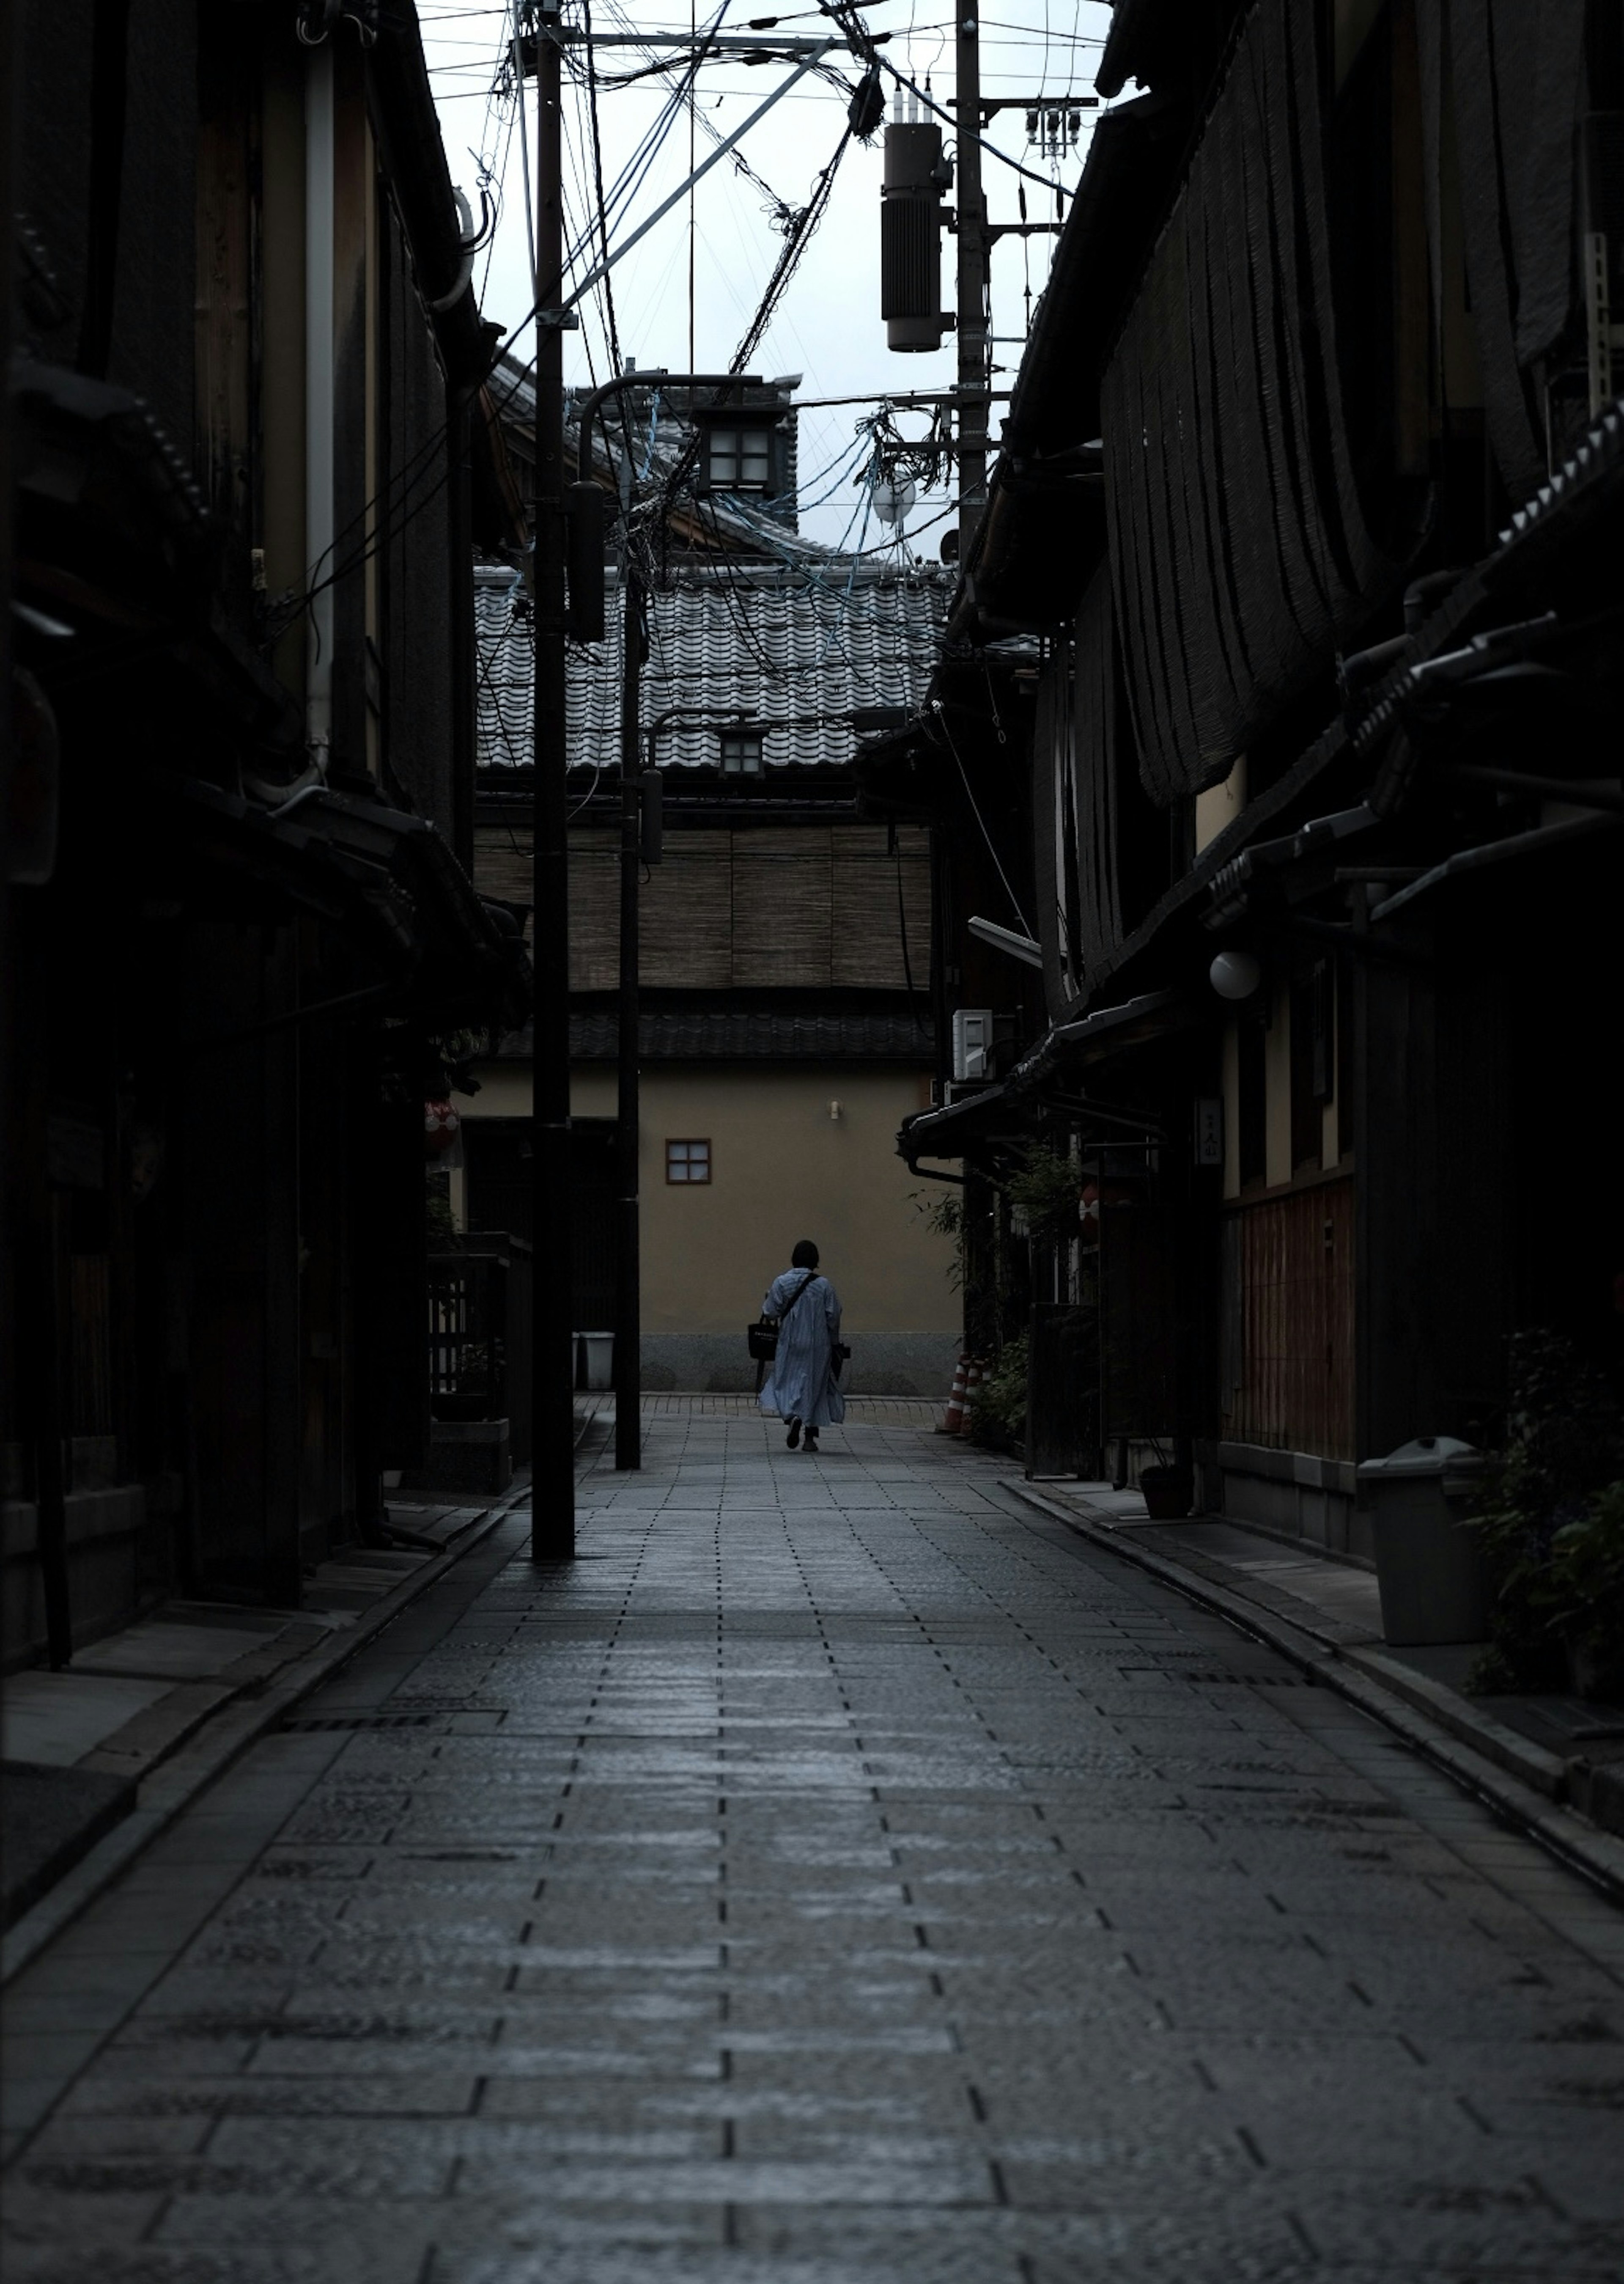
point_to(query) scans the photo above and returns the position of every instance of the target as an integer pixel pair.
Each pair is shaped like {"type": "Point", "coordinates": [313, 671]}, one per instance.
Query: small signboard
{"type": "Point", "coordinates": [1209, 1130]}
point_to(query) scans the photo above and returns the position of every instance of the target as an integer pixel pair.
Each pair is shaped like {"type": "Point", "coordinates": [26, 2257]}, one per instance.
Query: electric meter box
{"type": "Point", "coordinates": [972, 1043]}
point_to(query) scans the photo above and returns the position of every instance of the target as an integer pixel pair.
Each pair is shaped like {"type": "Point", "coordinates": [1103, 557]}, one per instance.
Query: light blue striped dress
{"type": "Point", "coordinates": [801, 1385]}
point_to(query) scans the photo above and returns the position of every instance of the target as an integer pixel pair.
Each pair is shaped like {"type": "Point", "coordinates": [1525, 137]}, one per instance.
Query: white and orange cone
{"type": "Point", "coordinates": [978, 1373]}
{"type": "Point", "coordinates": [952, 1422]}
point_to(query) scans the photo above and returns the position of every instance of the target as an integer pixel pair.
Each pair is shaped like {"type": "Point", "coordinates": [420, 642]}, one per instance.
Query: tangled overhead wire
{"type": "Point", "coordinates": [895, 458]}
{"type": "Point", "coordinates": [797, 236]}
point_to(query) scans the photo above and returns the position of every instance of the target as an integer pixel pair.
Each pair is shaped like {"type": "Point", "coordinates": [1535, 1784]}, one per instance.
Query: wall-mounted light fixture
{"type": "Point", "coordinates": [1235, 974]}
{"type": "Point", "coordinates": [834, 1111]}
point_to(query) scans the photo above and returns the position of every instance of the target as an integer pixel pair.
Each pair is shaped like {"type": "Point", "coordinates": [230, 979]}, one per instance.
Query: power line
{"type": "Point", "coordinates": [616, 363]}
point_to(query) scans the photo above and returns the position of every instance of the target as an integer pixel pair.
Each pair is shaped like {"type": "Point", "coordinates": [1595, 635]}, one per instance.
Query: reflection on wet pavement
{"type": "Point", "coordinates": [841, 1876]}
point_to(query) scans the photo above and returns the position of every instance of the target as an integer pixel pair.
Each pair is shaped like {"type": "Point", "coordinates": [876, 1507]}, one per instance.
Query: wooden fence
{"type": "Point", "coordinates": [1286, 1356]}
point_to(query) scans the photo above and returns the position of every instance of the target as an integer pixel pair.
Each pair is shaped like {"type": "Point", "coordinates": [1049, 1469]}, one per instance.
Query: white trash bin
{"type": "Point", "coordinates": [1429, 1558]}
{"type": "Point", "coordinates": [595, 1360]}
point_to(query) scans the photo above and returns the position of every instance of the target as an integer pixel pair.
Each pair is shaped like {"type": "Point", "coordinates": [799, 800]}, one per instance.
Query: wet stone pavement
{"type": "Point", "coordinates": [839, 1874]}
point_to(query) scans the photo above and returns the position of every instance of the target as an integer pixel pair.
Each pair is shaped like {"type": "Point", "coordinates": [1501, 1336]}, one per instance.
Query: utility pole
{"type": "Point", "coordinates": [553, 1481]}
{"type": "Point", "coordinates": [629, 1108]}
{"type": "Point", "coordinates": [627, 1103]}
{"type": "Point", "coordinates": [973, 368]}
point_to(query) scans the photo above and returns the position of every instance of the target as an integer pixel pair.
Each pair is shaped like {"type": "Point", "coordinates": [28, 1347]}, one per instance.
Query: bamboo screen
{"type": "Point", "coordinates": [785, 907]}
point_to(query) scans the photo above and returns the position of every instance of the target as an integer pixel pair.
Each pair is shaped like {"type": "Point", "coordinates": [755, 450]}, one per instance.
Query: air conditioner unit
{"type": "Point", "coordinates": [973, 1042]}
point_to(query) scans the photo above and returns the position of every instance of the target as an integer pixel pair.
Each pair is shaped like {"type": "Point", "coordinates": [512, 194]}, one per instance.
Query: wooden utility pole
{"type": "Point", "coordinates": [629, 1127]}
{"type": "Point", "coordinates": [973, 360]}
{"type": "Point", "coordinates": [552, 1484]}
{"type": "Point", "coordinates": [627, 1108]}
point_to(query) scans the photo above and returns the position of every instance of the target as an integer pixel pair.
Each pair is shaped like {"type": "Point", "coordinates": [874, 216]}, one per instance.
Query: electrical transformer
{"type": "Point", "coordinates": [916, 178]}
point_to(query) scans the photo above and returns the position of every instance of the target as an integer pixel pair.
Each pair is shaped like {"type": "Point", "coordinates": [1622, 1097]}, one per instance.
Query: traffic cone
{"type": "Point", "coordinates": [977, 1375]}
{"type": "Point", "coordinates": [952, 1422]}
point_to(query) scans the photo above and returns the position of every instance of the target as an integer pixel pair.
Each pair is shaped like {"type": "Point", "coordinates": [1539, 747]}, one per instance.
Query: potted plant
{"type": "Point", "coordinates": [1168, 1488]}
{"type": "Point", "coordinates": [998, 1415]}
{"type": "Point", "coordinates": [1557, 1481]}
{"type": "Point", "coordinates": [1585, 1593]}
{"type": "Point", "coordinates": [478, 1382]}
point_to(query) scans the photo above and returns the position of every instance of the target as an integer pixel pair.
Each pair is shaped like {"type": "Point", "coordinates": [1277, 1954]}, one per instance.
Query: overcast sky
{"type": "Point", "coordinates": [828, 326]}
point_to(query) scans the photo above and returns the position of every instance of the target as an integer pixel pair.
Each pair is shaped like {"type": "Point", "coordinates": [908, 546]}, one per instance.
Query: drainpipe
{"type": "Point", "coordinates": [319, 532]}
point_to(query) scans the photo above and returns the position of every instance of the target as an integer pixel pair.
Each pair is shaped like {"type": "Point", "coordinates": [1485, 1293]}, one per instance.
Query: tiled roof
{"type": "Point", "coordinates": [792, 650]}
{"type": "Point", "coordinates": [738, 1035]}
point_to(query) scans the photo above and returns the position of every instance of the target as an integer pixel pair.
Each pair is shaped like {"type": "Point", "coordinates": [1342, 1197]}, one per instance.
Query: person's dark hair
{"type": "Point", "coordinates": [805, 1256]}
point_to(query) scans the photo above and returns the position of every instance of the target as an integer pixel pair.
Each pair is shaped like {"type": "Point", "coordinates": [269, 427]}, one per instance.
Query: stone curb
{"type": "Point", "coordinates": [1516, 1784]}
{"type": "Point", "coordinates": [170, 1788]}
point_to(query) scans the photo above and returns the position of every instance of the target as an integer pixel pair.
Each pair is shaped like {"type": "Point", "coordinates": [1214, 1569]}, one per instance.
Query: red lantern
{"type": "Point", "coordinates": [1094, 1196]}
{"type": "Point", "coordinates": [443, 1134]}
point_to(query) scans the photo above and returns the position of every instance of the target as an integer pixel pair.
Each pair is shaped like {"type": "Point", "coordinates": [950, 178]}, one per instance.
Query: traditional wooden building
{"type": "Point", "coordinates": [250, 455]}
{"type": "Point", "coordinates": [784, 955]}
{"type": "Point", "coordinates": [1277, 728]}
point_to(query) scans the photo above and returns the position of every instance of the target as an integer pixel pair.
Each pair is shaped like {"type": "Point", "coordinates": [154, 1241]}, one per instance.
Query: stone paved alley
{"type": "Point", "coordinates": [841, 1874]}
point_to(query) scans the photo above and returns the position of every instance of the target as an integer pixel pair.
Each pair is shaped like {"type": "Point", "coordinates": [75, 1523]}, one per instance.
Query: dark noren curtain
{"type": "Point", "coordinates": [1511, 72]}
{"type": "Point", "coordinates": [1239, 552]}
{"type": "Point", "coordinates": [1076, 823]}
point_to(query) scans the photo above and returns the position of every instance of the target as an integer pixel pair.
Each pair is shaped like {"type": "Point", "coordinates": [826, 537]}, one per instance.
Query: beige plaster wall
{"type": "Point", "coordinates": [1220, 804]}
{"type": "Point", "coordinates": [1277, 1078]}
{"type": "Point", "coordinates": [782, 1169]}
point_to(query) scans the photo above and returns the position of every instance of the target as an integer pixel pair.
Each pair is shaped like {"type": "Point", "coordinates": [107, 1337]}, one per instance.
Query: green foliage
{"type": "Point", "coordinates": [437, 1215]}
{"type": "Point", "coordinates": [1046, 1192]}
{"type": "Point", "coordinates": [1552, 1524]}
{"type": "Point", "coordinates": [942, 1212]}
{"type": "Point", "coordinates": [1585, 1590]}
{"type": "Point", "coordinates": [998, 1415]}
{"type": "Point", "coordinates": [480, 1366]}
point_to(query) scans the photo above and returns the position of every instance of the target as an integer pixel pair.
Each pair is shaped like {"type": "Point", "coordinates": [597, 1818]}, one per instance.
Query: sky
{"type": "Point", "coordinates": [828, 327]}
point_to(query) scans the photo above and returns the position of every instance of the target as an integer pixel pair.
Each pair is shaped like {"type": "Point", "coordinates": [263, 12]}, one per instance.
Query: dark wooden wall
{"type": "Point", "coordinates": [1287, 1370]}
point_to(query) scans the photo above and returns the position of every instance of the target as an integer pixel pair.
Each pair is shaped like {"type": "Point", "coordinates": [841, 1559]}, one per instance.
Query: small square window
{"type": "Point", "coordinates": [739, 459]}
{"type": "Point", "coordinates": [688, 1162]}
{"type": "Point", "coordinates": [741, 753]}
{"type": "Point", "coordinates": [724, 459]}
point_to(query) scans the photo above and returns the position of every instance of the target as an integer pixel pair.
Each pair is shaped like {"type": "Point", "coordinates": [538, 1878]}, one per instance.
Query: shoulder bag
{"type": "Point", "coordinates": [763, 1335]}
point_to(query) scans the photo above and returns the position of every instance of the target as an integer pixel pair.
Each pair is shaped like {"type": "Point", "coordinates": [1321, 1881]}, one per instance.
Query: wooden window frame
{"type": "Point", "coordinates": [747, 743]}
{"type": "Point", "coordinates": [687, 1179]}
{"type": "Point", "coordinates": [742, 440]}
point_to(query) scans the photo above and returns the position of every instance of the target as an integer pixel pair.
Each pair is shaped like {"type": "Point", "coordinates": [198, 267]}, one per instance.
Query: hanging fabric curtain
{"type": "Point", "coordinates": [1054, 829]}
{"type": "Point", "coordinates": [1239, 552]}
{"type": "Point", "coordinates": [1075, 745]}
{"type": "Point", "coordinates": [1511, 72]}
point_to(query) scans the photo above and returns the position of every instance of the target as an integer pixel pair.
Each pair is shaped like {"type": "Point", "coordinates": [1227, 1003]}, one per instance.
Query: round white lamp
{"type": "Point", "coordinates": [1235, 974]}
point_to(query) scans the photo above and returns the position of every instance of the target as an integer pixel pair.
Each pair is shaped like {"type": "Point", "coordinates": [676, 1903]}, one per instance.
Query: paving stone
{"type": "Point", "coordinates": [837, 1876]}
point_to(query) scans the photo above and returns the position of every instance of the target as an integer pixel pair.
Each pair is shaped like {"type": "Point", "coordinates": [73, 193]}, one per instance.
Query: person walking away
{"type": "Point", "coordinates": [802, 1387]}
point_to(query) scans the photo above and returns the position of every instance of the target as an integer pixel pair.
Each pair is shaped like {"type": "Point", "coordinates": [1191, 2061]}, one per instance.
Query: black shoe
{"type": "Point", "coordinates": [811, 1442]}
{"type": "Point", "coordinates": [794, 1437]}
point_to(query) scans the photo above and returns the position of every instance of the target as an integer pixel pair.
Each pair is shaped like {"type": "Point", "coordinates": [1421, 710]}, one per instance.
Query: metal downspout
{"type": "Point", "coordinates": [319, 355]}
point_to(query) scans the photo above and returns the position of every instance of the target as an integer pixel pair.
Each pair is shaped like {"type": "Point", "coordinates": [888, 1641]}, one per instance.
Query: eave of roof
{"type": "Point", "coordinates": [1562, 549]}
{"type": "Point", "coordinates": [407, 126]}
{"type": "Point", "coordinates": [387, 880]}
{"type": "Point", "coordinates": [977, 1119]}
{"type": "Point", "coordinates": [1043, 529]}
